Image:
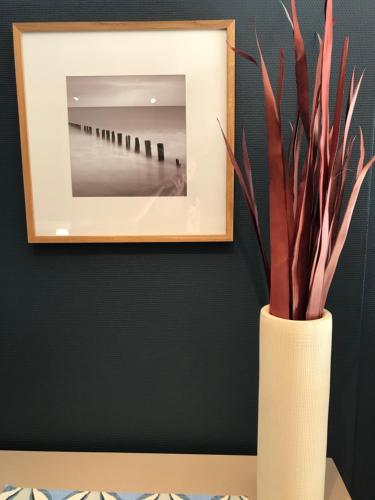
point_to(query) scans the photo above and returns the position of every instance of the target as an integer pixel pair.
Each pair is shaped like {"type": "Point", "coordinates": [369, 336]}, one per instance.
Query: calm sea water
{"type": "Point", "coordinates": [100, 168]}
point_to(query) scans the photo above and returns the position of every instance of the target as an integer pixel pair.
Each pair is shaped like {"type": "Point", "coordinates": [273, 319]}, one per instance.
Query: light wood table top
{"type": "Point", "coordinates": [143, 473]}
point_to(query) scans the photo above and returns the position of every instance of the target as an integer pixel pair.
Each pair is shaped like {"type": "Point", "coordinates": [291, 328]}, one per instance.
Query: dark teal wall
{"type": "Point", "coordinates": [155, 347]}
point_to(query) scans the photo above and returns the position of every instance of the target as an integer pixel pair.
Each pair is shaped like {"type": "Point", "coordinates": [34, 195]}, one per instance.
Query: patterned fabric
{"type": "Point", "coordinates": [13, 493]}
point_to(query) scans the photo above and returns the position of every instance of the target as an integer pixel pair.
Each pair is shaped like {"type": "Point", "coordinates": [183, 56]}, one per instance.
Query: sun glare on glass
{"type": "Point", "coordinates": [62, 232]}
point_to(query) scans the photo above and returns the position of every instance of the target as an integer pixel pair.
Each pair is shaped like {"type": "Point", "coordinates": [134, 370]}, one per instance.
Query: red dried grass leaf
{"type": "Point", "coordinates": [300, 269]}
{"type": "Point", "coordinates": [292, 139]}
{"type": "Point", "coordinates": [361, 153]}
{"type": "Point", "coordinates": [244, 187]}
{"type": "Point", "coordinates": [288, 177]}
{"type": "Point", "coordinates": [244, 54]}
{"type": "Point", "coordinates": [318, 79]}
{"type": "Point", "coordinates": [314, 135]}
{"type": "Point", "coordinates": [336, 181]}
{"type": "Point", "coordinates": [248, 192]}
{"type": "Point", "coordinates": [287, 15]}
{"type": "Point", "coordinates": [339, 101]}
{"type": "Point", "coordinates": [280, 82]}
{"type": "Point", "coordinates": [302, 76]}
{"type": "Point", "coordinates": [343, 231]}
{"type": "Point", "coordinates": [352, 100]}
{"type": "Point", "coordinates": [324, 103]}
{"type": "Point", "coordinates": [249, 175]}
{"type": "Point", "coordinates": [350, 93]}
{"type": "Point", "coordinates": [315, 306]}
{"type": "Point", "coordinates": [296, 157]}
{"type": "Point", "coordinates": [279, 243]}
{"type": "Point", "coordinates": [341, 180]}
{"type": "Point", "coordinates": [345, 166]}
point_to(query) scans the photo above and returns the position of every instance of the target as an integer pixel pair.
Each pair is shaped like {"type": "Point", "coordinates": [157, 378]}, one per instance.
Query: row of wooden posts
{"type": "Point", "coordinates": [109, 135]}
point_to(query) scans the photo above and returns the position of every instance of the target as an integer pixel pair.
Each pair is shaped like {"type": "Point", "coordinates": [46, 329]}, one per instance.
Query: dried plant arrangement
{"type": "Point", "coordinates": [309, 220]}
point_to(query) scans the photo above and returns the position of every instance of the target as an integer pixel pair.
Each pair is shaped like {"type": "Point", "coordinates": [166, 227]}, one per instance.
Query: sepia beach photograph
{"type": "Point", "coordinates": [127, 135]}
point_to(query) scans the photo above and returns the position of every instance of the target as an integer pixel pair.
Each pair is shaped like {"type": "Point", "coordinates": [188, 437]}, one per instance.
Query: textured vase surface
{"type": "Point", "coordinates": [294, 382]}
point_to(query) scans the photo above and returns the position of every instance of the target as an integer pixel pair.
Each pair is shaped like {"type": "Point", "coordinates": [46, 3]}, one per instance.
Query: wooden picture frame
{"type": "Point", "coordinates": [25, 42]}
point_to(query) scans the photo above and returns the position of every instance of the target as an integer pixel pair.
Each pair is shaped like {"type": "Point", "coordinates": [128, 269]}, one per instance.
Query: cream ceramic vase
{"type": "Point", "coordinates": [294, 382]}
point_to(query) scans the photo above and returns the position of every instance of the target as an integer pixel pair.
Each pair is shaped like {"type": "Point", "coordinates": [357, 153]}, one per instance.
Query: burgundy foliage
{"type": "Point", "coordinates": [308, 220]}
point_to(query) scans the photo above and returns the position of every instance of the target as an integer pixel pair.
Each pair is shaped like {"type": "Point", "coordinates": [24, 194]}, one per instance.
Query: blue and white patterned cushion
{"type": "Point", "coordinates": [14, 493]}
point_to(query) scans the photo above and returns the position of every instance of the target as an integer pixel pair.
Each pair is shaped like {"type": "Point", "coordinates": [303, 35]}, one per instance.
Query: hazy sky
{"type": "Point", "coordinates": [150, 90]}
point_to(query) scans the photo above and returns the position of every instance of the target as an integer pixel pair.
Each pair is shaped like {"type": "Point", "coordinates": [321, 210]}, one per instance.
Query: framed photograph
{"type": "Point", "coordinates": [119, 130]}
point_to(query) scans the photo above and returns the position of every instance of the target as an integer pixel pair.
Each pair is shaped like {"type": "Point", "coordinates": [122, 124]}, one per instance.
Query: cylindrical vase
{"type": "Point", "coordinates": [294, 383]}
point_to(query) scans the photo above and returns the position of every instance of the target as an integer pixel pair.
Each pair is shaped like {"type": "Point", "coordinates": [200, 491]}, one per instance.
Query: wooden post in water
{"type": "Point", "coordinates": [128, 142]}
{"type": "Point", "coordinates": [113, 137]}
{"type": "Point", "coordinates": [97, 132]}
{"type": "Point", "coordinates": [136, 146]}
{"type": "Point", "coordinates": [148, 149]}
{"type": "Point", "coordinates": [119, 138]}
{"type": "Point", "coordinates": [75, 125]}
{"type": "Point", "coordinates": [160, 151]}
{"type": "Point", "coordinates": [178, 163]}
{"type": "Point", "coordinates": [103, 134]}
{"type": "Point", "coordinates": [107, 135]}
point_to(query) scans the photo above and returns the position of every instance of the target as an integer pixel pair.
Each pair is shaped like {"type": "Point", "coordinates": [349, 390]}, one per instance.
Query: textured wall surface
{"type": "Point", "coordinates": [155, 347]}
